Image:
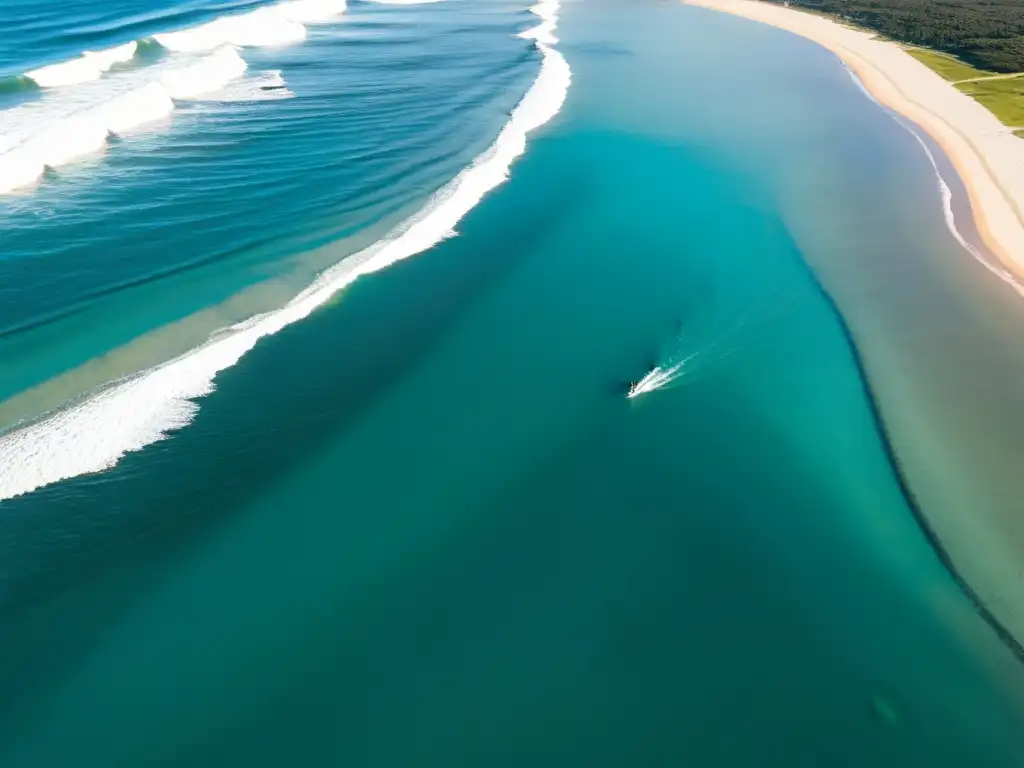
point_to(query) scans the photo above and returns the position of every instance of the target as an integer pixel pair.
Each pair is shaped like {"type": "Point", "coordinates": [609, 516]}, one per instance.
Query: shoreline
{"type": "Point", "coordinates": [954, 122]}
{"type": "Point", "coordinates": [985, 154]}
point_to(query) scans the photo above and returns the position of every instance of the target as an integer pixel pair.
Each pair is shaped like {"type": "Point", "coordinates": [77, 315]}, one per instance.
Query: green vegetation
{"type": "Point", "coordinates": [1003, 96]}
{"type": "Point", "coordinates": [949, 67]}
{"type": "Point", "coordinates": [988, 34]}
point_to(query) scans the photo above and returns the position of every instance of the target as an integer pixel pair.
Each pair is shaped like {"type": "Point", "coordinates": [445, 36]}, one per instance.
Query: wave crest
{"type": "Point", "coordinates": [276, 25]}
{"type": "Point", "coordinates": [95, 434]}
{"type": "Point", "coordinates": [89, 66]}
{"type": "Point", "coordinates": [53, 140]}
{"type": "Point", "coordinates": [76, 122]}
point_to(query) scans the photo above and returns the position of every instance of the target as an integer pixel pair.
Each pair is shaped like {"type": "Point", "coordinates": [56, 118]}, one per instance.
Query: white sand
{"type": "Point", "coordinates": [987, 156]}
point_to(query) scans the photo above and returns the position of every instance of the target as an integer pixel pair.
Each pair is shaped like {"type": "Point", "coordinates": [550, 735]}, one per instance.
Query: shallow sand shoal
{"type": "Point", "coordinates": [966, 404]}
{"type": "Point", "coordinates": [987, 156]}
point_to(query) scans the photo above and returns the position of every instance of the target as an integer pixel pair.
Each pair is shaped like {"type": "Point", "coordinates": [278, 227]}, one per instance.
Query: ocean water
{"type": "Point", "coordinates": [411, 516]}
{"type": "Point", "coordinates": [313, 142]}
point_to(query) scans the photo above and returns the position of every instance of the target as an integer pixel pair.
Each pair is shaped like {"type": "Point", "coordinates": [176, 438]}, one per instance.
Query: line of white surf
{"type": "Point", "coordinates": [280, 24]}
{"type": "Point", "coordinates": [95, 434]}
{"type": "Point", "coordinates": [38, 136]}
{"type": "Point", "coordinates": [74, 123]}
{"type": "Point", "coordinates": [945, 193]}
{"type": "Point", "coordinates": [947, 211]}
{"type": "Point", "coordinates": [89, 66]}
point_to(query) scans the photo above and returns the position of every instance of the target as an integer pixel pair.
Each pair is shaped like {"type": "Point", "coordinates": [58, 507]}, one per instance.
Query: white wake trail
{"type": "Point", "coordinates": [657, 378]}
{"type": "Point", "coordinates": [95, 434]}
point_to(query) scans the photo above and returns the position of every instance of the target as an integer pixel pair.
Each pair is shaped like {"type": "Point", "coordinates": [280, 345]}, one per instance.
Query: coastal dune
{"type": "Point", "coordinates": [987, 156]}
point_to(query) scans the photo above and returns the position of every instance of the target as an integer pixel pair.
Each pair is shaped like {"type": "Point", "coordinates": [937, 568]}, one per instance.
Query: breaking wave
{"type": "Point", "coordinates": [53, 134]}
{"type": "Point", "coordinates": [274, 25]}
{"type": "Point", "coordinates": [281, 24]}
{"type": "Point", "coordinates": [89, 66]}
{"type": "Point", "coordinates": [75, 122]}
{"type": "Point", "coordinates": [94, 434]}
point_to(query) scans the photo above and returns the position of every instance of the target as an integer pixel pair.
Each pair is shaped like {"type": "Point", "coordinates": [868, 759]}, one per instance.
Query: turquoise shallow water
{"type": "Point", "coordinates": [425, 526]}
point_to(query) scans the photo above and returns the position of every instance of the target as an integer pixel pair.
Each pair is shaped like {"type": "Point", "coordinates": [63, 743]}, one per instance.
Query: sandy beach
{"type": "Point", "coordinates": [985, 153]}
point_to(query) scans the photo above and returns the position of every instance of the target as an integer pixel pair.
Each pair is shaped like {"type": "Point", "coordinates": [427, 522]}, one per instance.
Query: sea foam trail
{"type": "Point", "coordinates": [655, 379]}
{"type": "Point", "coordinates": [266, 86]}
{"type": "Point", "coordinates": [95, 434]}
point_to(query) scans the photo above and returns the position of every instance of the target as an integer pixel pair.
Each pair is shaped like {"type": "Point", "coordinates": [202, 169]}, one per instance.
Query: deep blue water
{"type": "Point", "coordinates": [424, 525]}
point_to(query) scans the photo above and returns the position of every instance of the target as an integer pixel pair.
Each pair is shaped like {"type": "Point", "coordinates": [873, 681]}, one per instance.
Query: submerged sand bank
{"type": "Point", "coordinates": [948, 376]}
{"type": "Point", "coordinates": [985, 153]}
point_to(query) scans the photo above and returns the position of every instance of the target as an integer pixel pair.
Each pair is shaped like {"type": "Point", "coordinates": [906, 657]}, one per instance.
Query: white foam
{"type": "Point", "coordinates": [205, 37]}
{"type": "Point", "coordinates": [146, 105]}
{"type": "Point", "coordinates": [107, 58]}
{"type": "Point", "coordinates": [95, 434]}
{"type": "Point", "coordinates": [206, 76]}
{"type": "Point", "coordinates": [275, 25]}
{"type": "Point", "coordinates": [945, 193]}
{"type": "Point", "coordinates": [62, 129]}
{"type": "Point", "coordinates": [660, 377]}
{"type": "Point", "coordinates": [69, 140]}
{"type": "Point", "coordinates": [860, 85]}
{"type": "Point", "coordinates": [70, 123]}
{"type": "Point", "coordinates": [544, 32]}
{"type": "Point", "coordinates": [19, 169]}
{"type": "Point", "coordinates": [89, 66]}
{"type": "Point", "coordinates": [60, 143]}
{"type": "Point", "coordinates": [947, 210]}
{"type": "Point", "coordinates": [281, 24]}
{"type": "Point", "coordinates": [654, 380]}
{"type": "Point", "coordinates": [266, 86]}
